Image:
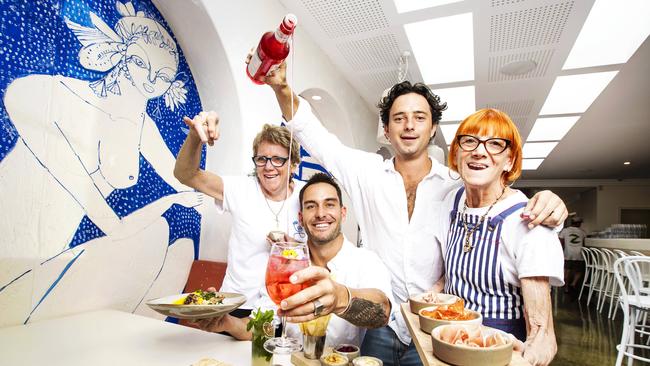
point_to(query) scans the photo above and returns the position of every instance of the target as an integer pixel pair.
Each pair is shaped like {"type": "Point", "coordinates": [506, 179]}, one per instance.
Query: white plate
{"type": "Point", "coordinates": [165, 306]}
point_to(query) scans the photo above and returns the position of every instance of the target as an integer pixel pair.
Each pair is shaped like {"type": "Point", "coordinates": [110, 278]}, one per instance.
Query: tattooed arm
{"type": "Point", "coordinates": [368, 308]}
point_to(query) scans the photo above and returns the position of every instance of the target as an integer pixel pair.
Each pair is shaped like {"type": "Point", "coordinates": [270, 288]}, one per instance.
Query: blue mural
{"type": "Point", "coordinates": [92, 93]}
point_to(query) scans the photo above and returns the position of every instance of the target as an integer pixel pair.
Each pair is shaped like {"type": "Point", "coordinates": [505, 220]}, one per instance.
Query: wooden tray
{"type": "Point", "coordinates": [423, 342]}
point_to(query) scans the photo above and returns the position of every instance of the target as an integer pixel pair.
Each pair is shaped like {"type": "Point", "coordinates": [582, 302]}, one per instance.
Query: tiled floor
{"type": "Point", "coordinates": [585, 336]}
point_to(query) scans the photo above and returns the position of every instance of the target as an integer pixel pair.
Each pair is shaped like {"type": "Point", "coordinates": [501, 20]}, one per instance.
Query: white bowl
{"type": "Point", "coordinates": [427, 324]}
{"type": "Point", "coordinates": [416, 303]}
{"type": "Point", "coordinates": [463, 355]}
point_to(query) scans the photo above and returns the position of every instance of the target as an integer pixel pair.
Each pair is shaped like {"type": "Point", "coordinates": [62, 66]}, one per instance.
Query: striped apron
{"type": "Point", "coordinates": [477, 276]}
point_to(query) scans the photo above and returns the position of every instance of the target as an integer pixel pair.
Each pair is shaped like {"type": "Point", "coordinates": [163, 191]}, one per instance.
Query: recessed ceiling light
{"type": "Point", "coordinates": [551, 129]}
{"type": "Point", "coordinates": [518, 67]}
{"type": "Point", "coordinates": [538, 149]}
{"type": "Point", "coordinates": [456, 62]}
{"type": "Point", "coordinates": [461, 102]}
{"type": "Point", "coordinates": [316, 97]}
{"type": "Point", "coordinates": [613, 31]}
{"type": "Point", "coordinates": [626, 163]}
{"type": "Point", "coordinates": [448, 132]}
{"type": "Point", "coordinates": [404, 6]}
{"type": "Point", "coordinates": [575, 93]}
{"type": "Point", "coordinates": [531, 164]}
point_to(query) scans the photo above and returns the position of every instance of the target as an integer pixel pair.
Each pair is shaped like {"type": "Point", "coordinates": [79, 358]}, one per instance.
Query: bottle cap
{"type": "Point", "coordinates": [289, 23]}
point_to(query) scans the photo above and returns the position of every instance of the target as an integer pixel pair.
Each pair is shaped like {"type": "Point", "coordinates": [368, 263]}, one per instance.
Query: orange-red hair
{"type": "Point", "coordinates": [493, 123]}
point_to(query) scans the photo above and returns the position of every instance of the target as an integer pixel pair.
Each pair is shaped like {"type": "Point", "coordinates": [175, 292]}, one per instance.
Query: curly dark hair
{"type": "Point", "coordinates": [321, 178]}
{"type": "Point", "coordinates": [405, 87]}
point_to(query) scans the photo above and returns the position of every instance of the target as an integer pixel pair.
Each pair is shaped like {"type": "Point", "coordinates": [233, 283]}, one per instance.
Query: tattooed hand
{"type": "Point", "coordinates": [365, 313]}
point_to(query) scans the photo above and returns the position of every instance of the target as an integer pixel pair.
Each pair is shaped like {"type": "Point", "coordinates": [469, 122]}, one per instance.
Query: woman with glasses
{"type": "Point", "coordinates": [492, 259]}
{"type": "Point", "coordinates": [259, 204]}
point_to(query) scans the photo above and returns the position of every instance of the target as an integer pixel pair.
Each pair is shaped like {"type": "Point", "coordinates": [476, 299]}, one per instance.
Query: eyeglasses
{"type": "Point", "coordinates": [276, 161]}
{"type": "Point", "coordinates": [493, 146]}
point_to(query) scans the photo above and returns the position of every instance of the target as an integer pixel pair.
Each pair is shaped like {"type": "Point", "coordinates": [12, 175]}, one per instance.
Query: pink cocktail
{"type": "Point", "coordinates": [278, 271]}
{"type": "Point", "coordinates": [284, 260]}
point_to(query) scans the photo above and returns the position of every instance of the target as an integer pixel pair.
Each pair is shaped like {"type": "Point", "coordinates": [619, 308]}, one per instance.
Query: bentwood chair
{"type": "Point", "coordinates": [599, 273]}
{"type": "Point", "coordinates": [645, 269]}
{"type": "Point", "coordinates": [617, 299]}
{"type": "Point", "coordinates": [589, 271]}
{"type": "Point", "coordinates": [635, 304]}
{"type": "Point", "coordinates": [607, 285]}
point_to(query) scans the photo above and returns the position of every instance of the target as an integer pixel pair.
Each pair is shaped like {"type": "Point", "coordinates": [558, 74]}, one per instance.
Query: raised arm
{"type": "Point", "coordinates": [203, 129]}
{"type": "Point", "coordinates": [540, 346]}
{"type": "Point", "coordinates": [340, 160]}
{"type": "Point", "coordinates": [277, 80]}
{"type": "Point", "coordinates": [367, 307]}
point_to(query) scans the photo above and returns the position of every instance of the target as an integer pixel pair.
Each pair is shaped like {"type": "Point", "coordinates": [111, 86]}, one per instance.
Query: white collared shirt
{"type": "Point", "coordinates": [407, 248]}
{"type": "Point", "coordinates": [253, 216]}
{"type": "Point", "coordinates": [355, 268]}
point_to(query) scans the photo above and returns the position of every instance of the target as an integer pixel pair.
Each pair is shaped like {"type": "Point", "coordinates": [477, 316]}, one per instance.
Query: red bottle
{"type": "Point", "coordinates": [272, 50]}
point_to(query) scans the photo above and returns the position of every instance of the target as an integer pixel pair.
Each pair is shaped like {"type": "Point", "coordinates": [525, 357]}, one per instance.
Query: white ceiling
{"type": "Point", "coordinates": [365, 39]}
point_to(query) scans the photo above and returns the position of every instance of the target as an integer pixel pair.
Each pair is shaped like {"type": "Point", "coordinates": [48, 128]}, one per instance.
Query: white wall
{"type": "Point", "coordinates": [216, 50]}
{"type": "Point", "coordinates": [612, 198]}
{"type": "Point", "coordinates": [586, 208]}
{"type": "Point", "coordinates": [600, 206]}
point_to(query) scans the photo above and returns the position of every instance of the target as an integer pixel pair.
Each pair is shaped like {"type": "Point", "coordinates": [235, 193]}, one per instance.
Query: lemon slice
{"type": "Point", "coordinates": [269, 329]}
{"type": "Point", "coordinates": [289, 254]}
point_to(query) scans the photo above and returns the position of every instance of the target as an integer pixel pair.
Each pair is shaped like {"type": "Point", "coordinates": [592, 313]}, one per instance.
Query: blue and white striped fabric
{"type": "Point", "coordinates": [477, 276]}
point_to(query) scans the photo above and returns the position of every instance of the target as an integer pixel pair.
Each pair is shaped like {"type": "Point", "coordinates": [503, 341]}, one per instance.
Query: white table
{"type": "Point", "coordinates": [110, 337]}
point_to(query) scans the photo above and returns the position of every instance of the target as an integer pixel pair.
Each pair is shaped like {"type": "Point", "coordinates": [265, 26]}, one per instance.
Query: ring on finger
{"type": "Point", "coordinates": [318, 308]}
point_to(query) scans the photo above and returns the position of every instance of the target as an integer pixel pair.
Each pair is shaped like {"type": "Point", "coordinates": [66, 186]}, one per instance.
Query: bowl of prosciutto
{"type": "Point", "coordinates": [421, 301]}
{"type": "Point", "coordinates": [465, 345]}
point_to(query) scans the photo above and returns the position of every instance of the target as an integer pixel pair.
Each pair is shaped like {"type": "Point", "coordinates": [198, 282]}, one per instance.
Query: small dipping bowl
{"type": "Point", "coordinates": [333, 359]}
{"type": "Point", "coordinates": [367, 361]}
{"type": "Point", "coordinates": [348, 350]}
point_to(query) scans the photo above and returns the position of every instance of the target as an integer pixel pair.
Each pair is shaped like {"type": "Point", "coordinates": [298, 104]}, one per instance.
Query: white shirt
{"type": "Point", "coordinates": [574, 238]}
{"type": "Point", "coordinates": [523, 252]}
{"type": "Point", "coordinates": [376, 189]}
{"type": "Point", "coordinates": [252, 219]}
{"type": "Point", "coordinates": [355, 268]}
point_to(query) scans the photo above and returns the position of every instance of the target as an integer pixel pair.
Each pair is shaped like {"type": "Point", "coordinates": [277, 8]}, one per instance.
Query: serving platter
{"type": "Point", "coordinates": [166, 306]}
{"type": "Point", "coordinates": [424, 345]}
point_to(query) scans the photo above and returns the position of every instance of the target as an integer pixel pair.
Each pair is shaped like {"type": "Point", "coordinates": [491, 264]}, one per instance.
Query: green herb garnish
{"type": "Point", "coordinates": [261, 324]}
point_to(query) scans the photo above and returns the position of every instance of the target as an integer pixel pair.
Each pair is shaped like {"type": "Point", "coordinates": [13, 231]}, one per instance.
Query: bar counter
{"type": "Point", "coordinates": [641, 245]}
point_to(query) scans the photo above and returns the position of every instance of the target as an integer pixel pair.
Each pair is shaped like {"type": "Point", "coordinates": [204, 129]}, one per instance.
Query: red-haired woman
{"type": "Point", "coordinates": [499, 266]}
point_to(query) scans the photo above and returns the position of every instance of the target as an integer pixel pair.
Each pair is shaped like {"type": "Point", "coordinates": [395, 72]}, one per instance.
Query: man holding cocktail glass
{"type": "Point", "coordinates": [338, 276]}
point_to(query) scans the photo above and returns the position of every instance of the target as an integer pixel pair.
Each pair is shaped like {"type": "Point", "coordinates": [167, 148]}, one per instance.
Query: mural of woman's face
{"type": "Point", "coordinates": [152, 68]}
